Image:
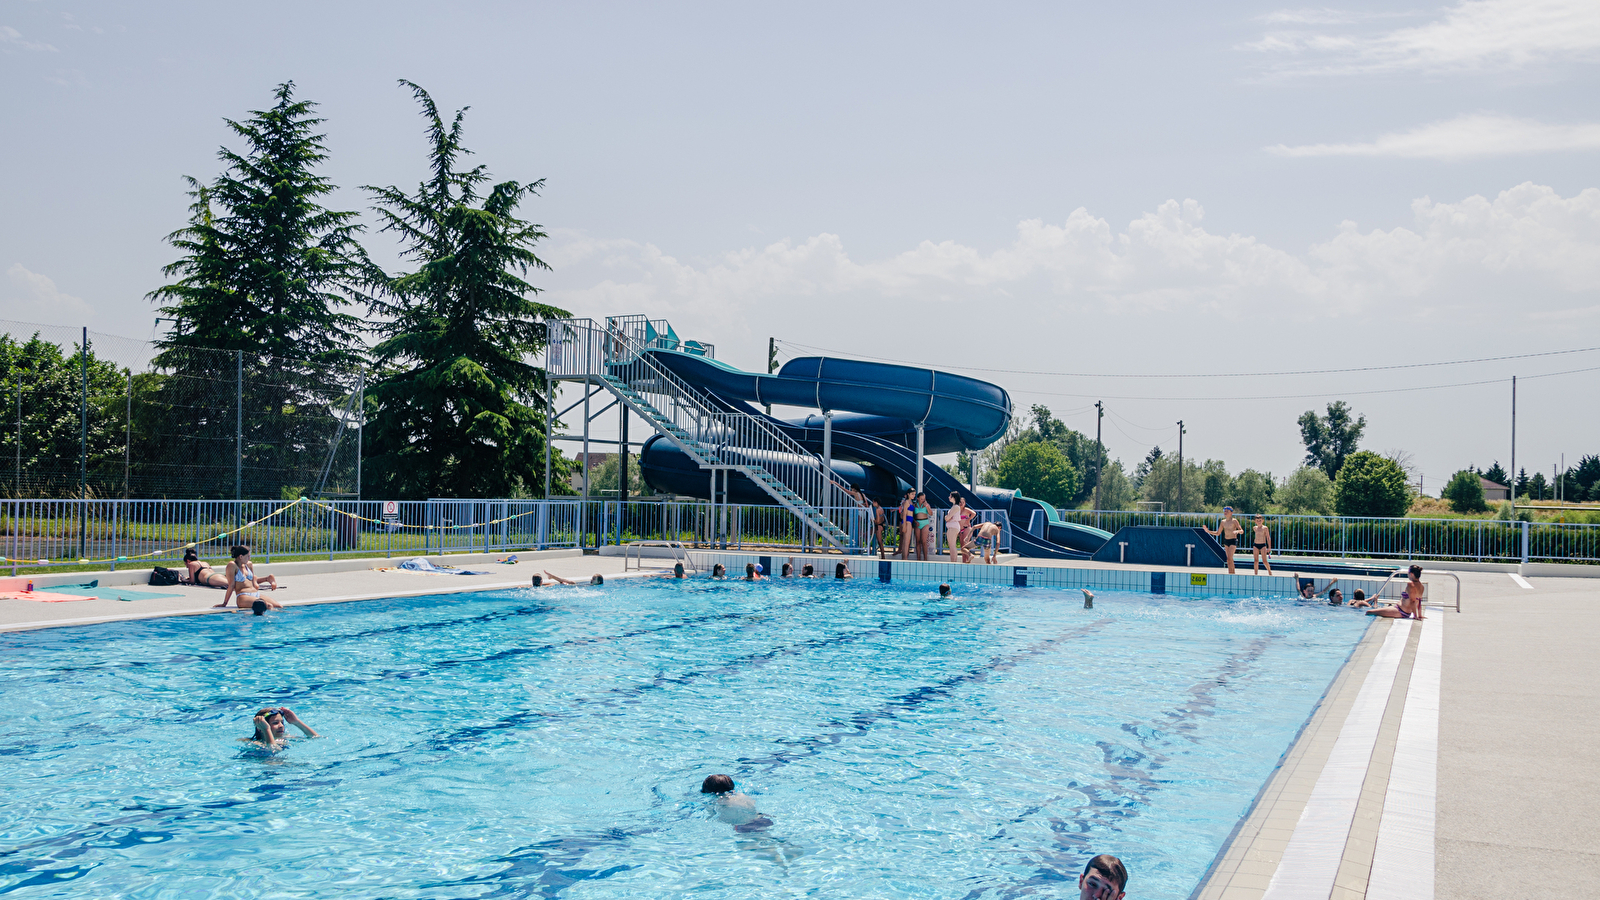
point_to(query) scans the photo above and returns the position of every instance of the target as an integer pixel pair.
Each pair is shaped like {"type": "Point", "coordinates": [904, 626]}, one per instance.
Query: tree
{"type": "Point", "coordinates": [458, 409]}
{"type": "Point", "coordinates": [1218, 484]}
{"type": "Point", "coordinates": [1078, 449]}
{"type": "Point", "coordinates": [1308, 490]}
{"type": "Point", "coordinates": [1537, 486]}
{"type": "Point", "coordinates": [1587, 476]}
{"type": "Point", "coordinates": [1252, 491]}
{"type": "Point", "coordinates": [1497, 474]}
{"type": "Point", "coordinates": [1465, 492]}
{"type": "Point", "coordinates": [265, 273]}
{"type": "Point", "coordinates": [1330, 439]}
{"type": "Point", "coordinates": [1161, 485]}
{"type": "Point", "coordinates": [1116, 490]}
{"type": "Point", "coordinates": [1038, 470]}
{"type": "Point", "coordinates": [1371, 485]}
{"type": "Point", "coordinates": [603, 478]}
{"type": "Point", "coordinates": [1522, 482]}
{"type": "Point", "coordinates": [51, 383]}
{"type": "Point", "coordinates": [1141, 471]}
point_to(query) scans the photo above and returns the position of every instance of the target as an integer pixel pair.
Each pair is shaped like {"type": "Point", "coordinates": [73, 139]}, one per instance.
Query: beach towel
{"type": "Point", "coordinates": [40, 596]}
{"type": "Point", "coordinates": [421, 564]}
{"type": "Point", "coordinates": [93, 589]}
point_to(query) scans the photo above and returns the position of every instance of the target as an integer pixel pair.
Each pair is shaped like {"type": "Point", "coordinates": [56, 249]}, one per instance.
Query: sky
{"type": "Point", "coordinates": [1164, 206]}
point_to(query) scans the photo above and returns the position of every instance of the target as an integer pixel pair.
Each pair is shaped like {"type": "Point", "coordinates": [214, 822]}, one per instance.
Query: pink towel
{"type": "Point", "coordinates": [41, 596]}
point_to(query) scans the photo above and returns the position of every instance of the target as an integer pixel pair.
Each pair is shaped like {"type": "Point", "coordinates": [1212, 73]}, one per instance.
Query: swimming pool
{"type": "Point", "coordinates": [552, 743]}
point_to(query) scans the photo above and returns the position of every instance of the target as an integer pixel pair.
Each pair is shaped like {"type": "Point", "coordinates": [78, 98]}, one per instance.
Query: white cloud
{"type": "Point", "coordinates": [35, 298]}
{"type": "Point", "coordinates": [1464, 137]}
{"type": "Point", "coordinates": [1465, 257]}
{"type": "Point", "coordinates": [1475, 34]}
{"type": "Point", "coordinates": [11, 36]}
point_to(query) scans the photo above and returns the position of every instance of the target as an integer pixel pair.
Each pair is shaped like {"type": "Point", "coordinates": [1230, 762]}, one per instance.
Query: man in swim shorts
{"type": "Point", "coordinates": [1261, 544]}
{"type": "Point", "coordinates": [988, 533]}
{"type": "Point", "coordinates": [1104, 878]}
{"type": "Point", "coordinates": [1228, 531]}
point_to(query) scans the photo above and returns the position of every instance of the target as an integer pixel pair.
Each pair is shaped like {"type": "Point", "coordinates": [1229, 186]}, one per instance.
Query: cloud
{"type": "Point", "coordinates": [1165, 268]}
{"type": "Point", "coordinates": [11, 37]}
{"type": "Point", "coordinates": [1464, 137]}
{"type": "Point", "coordinates": [1473, 35]}
{"type": "Point", "coordinates": [35, 298]}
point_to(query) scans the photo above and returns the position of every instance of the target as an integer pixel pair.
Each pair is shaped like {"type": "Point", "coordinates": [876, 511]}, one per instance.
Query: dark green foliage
{"type": "Point", "coordinates": [266, 268]}
{"type": "Point", "coordinates": [1537, 486]}
{"type": "Point", "coordinates": [457, 408]}
{"type": "Point", "coordinates": [1330, 439]}
{"type": "Point", "coordinates": [266, 271]}
{"type": "Point", "coordinates": [1161, 485]}
{"type": "Point", "coordinates": [1038, 470]}
{"type": "Point", "coordinates": [52, 430]}
{"type": "Point", "coordinates": [1078, 449]}
{"type": "Point", "coordinates": [1586, 476]}
{"type": "Point", "coordinates": [1252, 491]}
{"type": "Point", "coordinates": [1465, 492]}
{"type": "Point", "coordinates": [1142, 470]}
{"type": "Point", "coordinates": [1218, 483]}
{"type": "Point", "coordinates": [1497, 474]}
{"type": "Point", "coordinates": [1371, 485]}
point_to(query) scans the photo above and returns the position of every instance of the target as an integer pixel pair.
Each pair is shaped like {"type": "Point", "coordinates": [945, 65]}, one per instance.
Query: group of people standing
{"type": "Point", "coordinates": [962, 529]}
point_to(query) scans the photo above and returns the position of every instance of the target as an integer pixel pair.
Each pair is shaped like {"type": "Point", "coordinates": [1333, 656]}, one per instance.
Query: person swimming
{"type": "Point", "coordinates": [271, 731]}
{"type": "Point", "coordinates": [734, 808]}
{"type": "Point", "coordinates": [718, 571]}
{"type": "Point", "coordinates": [840, 570]}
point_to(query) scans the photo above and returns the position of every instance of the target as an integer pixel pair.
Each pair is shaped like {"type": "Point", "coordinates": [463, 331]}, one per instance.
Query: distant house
{"type": "Point", "coordinates": [1493, 492]}
{"type": "Point", "coordinates": [595, 459]}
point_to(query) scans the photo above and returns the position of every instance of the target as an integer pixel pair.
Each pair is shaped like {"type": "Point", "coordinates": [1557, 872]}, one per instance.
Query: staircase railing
{"type": "Point", "coordinates": [713, 436]}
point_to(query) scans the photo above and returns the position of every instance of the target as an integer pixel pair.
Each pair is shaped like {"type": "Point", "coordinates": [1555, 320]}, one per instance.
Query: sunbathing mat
{"type": "Point", "coordinates": [93, 589]}
{"type": "Point", "coordinates": [41, 596]}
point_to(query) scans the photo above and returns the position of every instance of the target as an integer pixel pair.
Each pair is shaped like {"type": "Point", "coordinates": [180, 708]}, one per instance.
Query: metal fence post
{"type": "Point", "coordinates": [1524, 543]}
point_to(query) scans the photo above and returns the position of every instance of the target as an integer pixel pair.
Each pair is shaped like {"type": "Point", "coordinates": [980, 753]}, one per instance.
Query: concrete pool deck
{"type": "Point", "coordinates": [1513, 757]}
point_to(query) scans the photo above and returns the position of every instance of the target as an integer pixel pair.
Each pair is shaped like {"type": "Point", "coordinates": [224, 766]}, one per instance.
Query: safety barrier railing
{"type": "Point", "coordinates": [1476, 540]}
{"type": "Point", "coordinates": [717, 438]}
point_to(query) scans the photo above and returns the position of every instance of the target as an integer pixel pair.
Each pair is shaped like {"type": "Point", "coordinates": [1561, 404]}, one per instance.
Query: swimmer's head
{"type": "Point", "coordinates": [716, 784]}
{"type": "Point", "coordinates": [597, 579]}
{"type": "Point", "coordinates": [944, 590]}
{"type": "Point", "coordinates": [1109, 869]}
{"type": "Point", "coordinates": [1360, 595]}
{"type": "Point", "coordinates": [259, 608]}
{"type": "Point", "coordinates": [808, 571]}
{"type": "Point", "coordinates": [538, 581]}
{"type": "Point", "coordinates": [677, 570]}
{"type": "Point", "coordinates": [717, 571]}
{"type": "Point", "coordinates": [749, 571]}
{"type": "Point", "coordinates": [787, 570]}
{"type": "Point", "coordinates": [840, 570]}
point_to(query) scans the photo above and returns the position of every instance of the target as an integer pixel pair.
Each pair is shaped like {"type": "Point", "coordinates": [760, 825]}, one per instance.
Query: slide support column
{"type": "Point", "coordinates": [827, 458]}
{"type": "Point", "coordinates": [919, 457]}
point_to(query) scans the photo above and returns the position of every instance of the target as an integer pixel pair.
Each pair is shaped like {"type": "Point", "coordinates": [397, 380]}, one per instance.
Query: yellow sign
{"type": "Point", "coordinates": [1197, 579]}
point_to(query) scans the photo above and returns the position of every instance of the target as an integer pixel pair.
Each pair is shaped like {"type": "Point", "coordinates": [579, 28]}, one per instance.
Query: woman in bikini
{"type": "Point", "coordinates": [242, 583]}
{"type": "Point", "coordinates": [200, 573]}
{"type": "Point", "coordinates": [955, 526]}
{"type": "Point", "coordinates": [922, 517]}
{"type": "Point", "coordinates": [906, 530]}
{"type": "Point", "coordinates": [1410, 601]}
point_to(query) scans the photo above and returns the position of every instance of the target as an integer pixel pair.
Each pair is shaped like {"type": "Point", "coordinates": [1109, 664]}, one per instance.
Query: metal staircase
{"type": "Point", "coordinates": [616, 356]}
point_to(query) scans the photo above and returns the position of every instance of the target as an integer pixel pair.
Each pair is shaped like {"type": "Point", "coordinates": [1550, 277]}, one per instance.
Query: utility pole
{"type": "Point", "coordinates": [772, 362]}
{"type": "Point", "coordinates": [1513, 478]}
{"type": "Point", "coordinates": [1100, 453]}
{"type": "Point", "coordinates": [1180, 465]}
{"type": "Point", "coordinates": [83, 447]}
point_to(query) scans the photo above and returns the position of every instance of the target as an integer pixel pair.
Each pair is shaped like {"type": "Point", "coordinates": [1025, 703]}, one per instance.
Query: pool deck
{"type": "Point", "coordinates": [1445, 753]}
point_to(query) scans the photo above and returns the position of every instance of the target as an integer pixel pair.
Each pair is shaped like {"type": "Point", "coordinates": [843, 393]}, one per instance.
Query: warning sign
{"type": "Point", "coordinates": [391, 510]}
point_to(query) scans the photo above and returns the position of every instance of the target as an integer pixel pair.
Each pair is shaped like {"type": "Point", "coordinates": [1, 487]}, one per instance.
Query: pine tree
{"type": "Point", "coordinates": [457, 410]}
{"type": "Point", "coordinates": [265, 273]}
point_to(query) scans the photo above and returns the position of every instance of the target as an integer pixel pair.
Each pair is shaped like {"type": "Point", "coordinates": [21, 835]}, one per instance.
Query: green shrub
{"type": "Point", "coordinates": [1308, 490]}
{"type": "Point", "coordinates": [1370, 485]}
{"type": "Point", "coordinates": [1465, 492]}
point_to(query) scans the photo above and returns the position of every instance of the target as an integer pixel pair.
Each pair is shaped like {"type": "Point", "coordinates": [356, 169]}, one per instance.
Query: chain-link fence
{"type": "Point", "coordinates": [92, 415]}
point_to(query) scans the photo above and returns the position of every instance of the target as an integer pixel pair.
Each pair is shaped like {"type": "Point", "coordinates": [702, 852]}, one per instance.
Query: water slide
{"type": "Point", "coordinates": [876, 407]}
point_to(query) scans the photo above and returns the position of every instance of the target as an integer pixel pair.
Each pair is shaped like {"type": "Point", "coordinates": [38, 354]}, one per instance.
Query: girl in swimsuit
{"type": "Point", "coordinates": [242, 583]}
{"type": "Point", "coordinates": [906, 504]}
{"type": "Point", "coordinates": [200, 573]}
{"type": "Point", "coordinates": [1410, 600]}
{"type": "Point", "coordinates": [920, 515]}
{"type": "Point", "coordinates": [241, 562]}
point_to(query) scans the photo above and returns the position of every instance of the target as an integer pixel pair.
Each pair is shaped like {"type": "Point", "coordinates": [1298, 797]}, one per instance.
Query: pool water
{"type": "Point", "coordinates": [551, 743]}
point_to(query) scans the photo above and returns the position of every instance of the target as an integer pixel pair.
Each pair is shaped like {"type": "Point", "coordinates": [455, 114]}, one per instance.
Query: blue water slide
{"type": "Point", "coordinates": [873, 437]}
{"type": "Point", "coordinates": [886, 400]}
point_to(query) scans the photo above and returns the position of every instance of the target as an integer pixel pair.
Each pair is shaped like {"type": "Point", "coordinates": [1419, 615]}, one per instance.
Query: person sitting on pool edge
{"type": "Point", "coordinates": [271, 726]}
{"type": "Point", "coordinates": [1410, 599]}
{"type": "Point", "coordinates": [1104, 878]}
{"type": "Point", "coordinates": [733, 807]}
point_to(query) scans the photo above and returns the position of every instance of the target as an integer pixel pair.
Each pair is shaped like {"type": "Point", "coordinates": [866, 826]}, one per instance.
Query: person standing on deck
{"type": "Point", "coordinates": [1262, 544]}
{"type": "Point", "coordinates": [1228, 531]}
{"type": "Point", "coordinates": [907, 503]}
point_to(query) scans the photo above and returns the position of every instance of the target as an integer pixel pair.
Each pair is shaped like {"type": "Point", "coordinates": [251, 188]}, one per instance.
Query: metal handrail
{"type": "Point", "coordinates": [676, 546]}
{"type": "Point", "coordinates": [714, 437]}
{"type": "Point", "coordinates": [1378, 594]}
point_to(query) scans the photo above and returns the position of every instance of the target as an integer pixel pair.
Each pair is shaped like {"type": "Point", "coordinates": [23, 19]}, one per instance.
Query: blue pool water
{"type": "Point", "coordinates": [552, 743]}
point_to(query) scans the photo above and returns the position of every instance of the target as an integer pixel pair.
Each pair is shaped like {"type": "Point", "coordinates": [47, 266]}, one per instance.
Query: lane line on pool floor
{"type": "Point", "coordinates": [1311, 860]}
{"type": "Point", "coordinates": [1403, 862]}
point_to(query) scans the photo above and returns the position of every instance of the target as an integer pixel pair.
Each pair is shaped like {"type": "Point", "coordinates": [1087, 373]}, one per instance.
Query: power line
{"type": "Point", "coordinates": [1334, 393]}
{"type": "Point", "coordinates": [1452, 362]}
